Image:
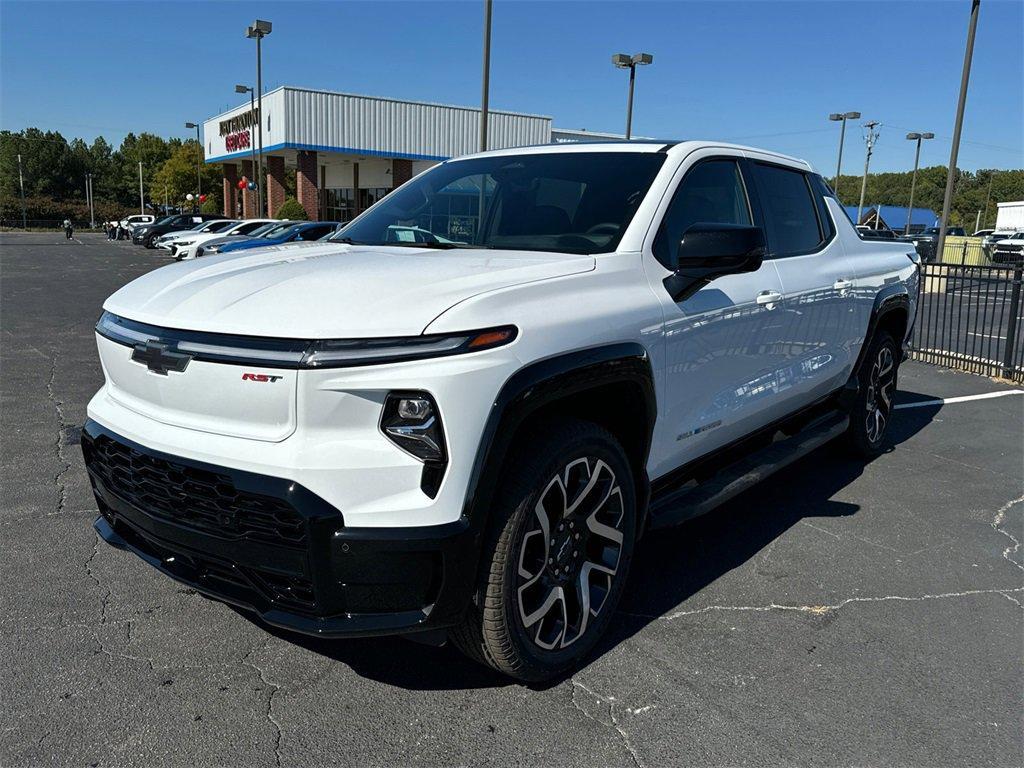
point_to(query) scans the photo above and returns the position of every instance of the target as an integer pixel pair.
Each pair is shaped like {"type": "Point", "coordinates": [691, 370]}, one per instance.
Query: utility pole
{"type": "Point", "coordinates": [869, 138]}
{"type": "Point", "coordinates": [21, 182]}
{"type": "Point", "coordinates": [485, 96]}
{"type": "Point", "coordinates": [947, 199]}
{"type": "Point", "coordinates": [142, 202]}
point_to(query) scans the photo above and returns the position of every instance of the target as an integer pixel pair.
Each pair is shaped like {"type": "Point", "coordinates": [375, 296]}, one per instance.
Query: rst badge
{"type": "Point", "coordinates": [263, 377]}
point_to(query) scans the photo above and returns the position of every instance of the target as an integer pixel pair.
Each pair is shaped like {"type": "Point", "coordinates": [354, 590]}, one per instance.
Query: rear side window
{"type": "Point", "coordinates": [711, 193]}
{"type": "Point", "coordinates": [790, 211]}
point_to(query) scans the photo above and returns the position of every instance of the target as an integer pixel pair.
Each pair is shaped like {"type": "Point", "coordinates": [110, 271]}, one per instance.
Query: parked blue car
{"type": "Point", "coordinates": [300, 232]}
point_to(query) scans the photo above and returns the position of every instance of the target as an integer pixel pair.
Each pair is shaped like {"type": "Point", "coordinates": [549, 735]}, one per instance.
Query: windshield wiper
{"type": "Point", "coordinates": [437, 246]}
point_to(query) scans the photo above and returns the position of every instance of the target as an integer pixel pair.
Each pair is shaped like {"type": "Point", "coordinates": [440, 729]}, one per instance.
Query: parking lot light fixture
{"type": "Point", "coordinates": [252, 111]}
{"type": "Point", "coordinates": [625, 61]}
{"type": "Point", "coordinates": [913, 179]}
{"type": "Point", "coordinates": [258, 30]}
{"type": "Point", "coordinates": [841, 117]}
{"type": "Point", "coordinates": [199, 160]}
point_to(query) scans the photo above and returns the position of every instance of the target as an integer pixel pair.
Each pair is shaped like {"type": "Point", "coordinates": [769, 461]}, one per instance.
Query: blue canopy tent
{"type": "Point", "coordinates": [894, 217]}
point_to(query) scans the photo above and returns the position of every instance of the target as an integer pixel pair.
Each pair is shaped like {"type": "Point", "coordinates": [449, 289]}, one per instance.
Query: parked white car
{"type": "Point", "coordinates": [238, 230]}
{"type": "Point", "coordinates": [465, 439]}
{"type": "Point", "coordinates": [173, 240]}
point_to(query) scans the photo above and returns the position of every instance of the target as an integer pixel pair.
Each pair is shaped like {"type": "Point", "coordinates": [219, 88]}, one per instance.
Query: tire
{"type": "Point", "coordinates": [871, 413]}
{"type": "Point", "coordinates": [530, 617]}
{"type": "Point", "coordinates": [151, 241]}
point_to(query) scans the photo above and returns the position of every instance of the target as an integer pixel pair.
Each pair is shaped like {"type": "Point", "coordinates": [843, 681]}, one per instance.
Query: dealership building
{"type": "Point", "coordinates": [348, 151]}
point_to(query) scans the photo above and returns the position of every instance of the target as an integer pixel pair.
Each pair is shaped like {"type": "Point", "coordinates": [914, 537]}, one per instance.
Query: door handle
{"type": "Point", "coordinates": [842, 284]}
{"type": "Point", "coordinates": [768, 298]}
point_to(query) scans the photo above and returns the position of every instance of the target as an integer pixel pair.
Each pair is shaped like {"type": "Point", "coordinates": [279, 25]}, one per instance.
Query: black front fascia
{"type": "Point", "coordinates": [330, 581]}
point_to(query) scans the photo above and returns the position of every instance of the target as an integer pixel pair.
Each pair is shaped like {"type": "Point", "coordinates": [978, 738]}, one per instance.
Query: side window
{"type": "Point", "coordinates": [790, 211]}
{"type": "Point", "coordinates": [712, 192]}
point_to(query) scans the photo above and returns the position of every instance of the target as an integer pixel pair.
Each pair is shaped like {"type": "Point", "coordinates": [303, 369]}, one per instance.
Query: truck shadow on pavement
{"type": "Point", "coordinates": [667, 570]}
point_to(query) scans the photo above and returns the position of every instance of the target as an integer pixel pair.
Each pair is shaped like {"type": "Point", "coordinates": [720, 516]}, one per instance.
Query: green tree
{"type": "Point", "coordinates": [177, 174]}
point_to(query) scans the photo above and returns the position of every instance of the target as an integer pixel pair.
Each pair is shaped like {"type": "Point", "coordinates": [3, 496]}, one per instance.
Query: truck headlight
{"type": "Point", "coordinates": [411, 421]}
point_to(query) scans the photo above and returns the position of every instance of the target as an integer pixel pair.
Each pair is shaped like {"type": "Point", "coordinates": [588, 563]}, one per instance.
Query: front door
{"type": "Point", "coordinates": [724, 363]}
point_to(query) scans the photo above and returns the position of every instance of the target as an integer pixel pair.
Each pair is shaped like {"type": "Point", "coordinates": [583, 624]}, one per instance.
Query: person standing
{"type": "Point", "coordinates": [69, 230]}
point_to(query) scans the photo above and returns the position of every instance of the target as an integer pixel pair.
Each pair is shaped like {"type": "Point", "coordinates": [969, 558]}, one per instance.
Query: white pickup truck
{"type": "Point", "coordinates": [463, 438]}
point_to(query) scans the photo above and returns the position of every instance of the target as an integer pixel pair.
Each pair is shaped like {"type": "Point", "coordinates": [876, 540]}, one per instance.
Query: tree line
{"type": "Point", "coordinates": [973, 191]}
{"type": "Point", "coordinates": [54, 171]}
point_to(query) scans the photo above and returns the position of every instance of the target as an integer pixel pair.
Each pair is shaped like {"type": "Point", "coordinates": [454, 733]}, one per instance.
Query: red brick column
{"type": "Point", "coordinates": [275, 183]}
{"type": "Point", "coordinates": [306, 186]}
{"type": "Point", "coordinates": [230, 190]}
{"type": "Point", "coordinates": [248, 198]}
{"type": "Point", "coordinates": [401, 171]}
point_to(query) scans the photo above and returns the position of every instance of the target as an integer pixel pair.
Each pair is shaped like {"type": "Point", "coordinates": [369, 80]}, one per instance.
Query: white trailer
{"type": "Point", "coordinates": [1010, 216]}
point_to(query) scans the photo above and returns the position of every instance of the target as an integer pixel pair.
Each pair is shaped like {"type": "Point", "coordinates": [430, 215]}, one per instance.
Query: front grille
{"type": "Point", "coordinates": [197, 498]}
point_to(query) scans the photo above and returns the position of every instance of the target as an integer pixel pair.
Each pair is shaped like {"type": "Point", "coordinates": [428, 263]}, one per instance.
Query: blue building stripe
{"type": "Point", "coordinates": [247, 153]}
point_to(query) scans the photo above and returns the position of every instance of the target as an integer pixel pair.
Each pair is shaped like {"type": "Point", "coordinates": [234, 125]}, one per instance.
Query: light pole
{"type": "Point", "coordinates": [258, 30]}
{"type": "Point", "coordinates": [142, 201]}
{"type": "Point", "coordinates": [841, 117]}
{"type": "Point", "coordinates": [199, 160]}
{"type": "Point", "coordinates": [947, 198]}
{"type": "Point", "coordinates": [869, 138]}
{"type": "Point", "coordinates": [913, 179]}
{"type": "Point", "coordinates": [485, 96]}
{"type": "Point", "coordinates": [252, 111]}
{"type": "Point", "coordinates": [21, 183]}
{"type": "Point", "coordinates": [625, 61]}
{"type": "Point", "coordinates": [88, 194]}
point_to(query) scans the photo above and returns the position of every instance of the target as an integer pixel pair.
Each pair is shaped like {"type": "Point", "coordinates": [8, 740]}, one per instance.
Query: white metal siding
{"type": "Point", "coordinates": [400, 128]}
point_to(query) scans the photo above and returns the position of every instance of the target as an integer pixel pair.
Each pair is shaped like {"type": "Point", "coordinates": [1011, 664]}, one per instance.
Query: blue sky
{"type": "Point", "coordinates": [761, 73]}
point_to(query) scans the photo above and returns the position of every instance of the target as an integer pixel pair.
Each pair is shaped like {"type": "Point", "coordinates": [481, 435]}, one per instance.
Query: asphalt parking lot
{"type": "Point", "coordinates": [840, 614]}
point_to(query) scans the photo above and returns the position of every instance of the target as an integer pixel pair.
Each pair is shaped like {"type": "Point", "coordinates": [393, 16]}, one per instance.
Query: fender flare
{"type": "Point", "coordinates": [539, 384]}
{"type": "Point", "coordinates": [892, 298]}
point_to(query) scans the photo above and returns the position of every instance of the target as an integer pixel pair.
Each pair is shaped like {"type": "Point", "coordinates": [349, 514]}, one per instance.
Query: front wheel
{"type": "Point", "coordinates": [872, 412]}
{"type": "Point", "coordinates": [555, 564]}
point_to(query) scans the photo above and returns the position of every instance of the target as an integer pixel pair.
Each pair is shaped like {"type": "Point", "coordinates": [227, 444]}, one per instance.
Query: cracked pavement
{"type": "Point", "coordinates": [839, 614]}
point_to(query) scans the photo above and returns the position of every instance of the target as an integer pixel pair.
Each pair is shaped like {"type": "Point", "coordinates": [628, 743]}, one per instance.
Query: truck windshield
{"type": "Point", "coordinates": [575, 202]}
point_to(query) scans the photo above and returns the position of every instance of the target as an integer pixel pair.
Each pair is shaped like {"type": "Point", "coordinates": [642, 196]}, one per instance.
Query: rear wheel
{"type": "Point", "coordinates": [872, 411]}
{"type": "Point", "coordinates": [555, 564]}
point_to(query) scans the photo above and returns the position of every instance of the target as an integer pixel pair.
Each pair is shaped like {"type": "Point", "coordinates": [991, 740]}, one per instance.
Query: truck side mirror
{"type": "Point", "coordinates": [708, 251]}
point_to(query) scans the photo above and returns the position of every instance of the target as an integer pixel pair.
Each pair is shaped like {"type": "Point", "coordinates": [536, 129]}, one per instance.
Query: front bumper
{"type": "Point", "coordinates": [271, 546]}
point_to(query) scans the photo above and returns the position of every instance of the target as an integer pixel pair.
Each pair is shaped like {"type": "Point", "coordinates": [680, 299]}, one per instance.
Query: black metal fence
{"type": "Point", "coordinates": [969, 318]}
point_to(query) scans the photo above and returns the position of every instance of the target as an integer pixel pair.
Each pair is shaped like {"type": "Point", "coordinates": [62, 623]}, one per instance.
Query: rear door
{"type": "Point", "coordinates": [820, 332]}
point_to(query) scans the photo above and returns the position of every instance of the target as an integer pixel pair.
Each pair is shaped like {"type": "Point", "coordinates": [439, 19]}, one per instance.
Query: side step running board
{"type": "Point", "coordinates": [693, 500]}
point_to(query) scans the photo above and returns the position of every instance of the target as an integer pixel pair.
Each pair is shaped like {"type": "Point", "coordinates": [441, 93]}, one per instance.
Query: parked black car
{"type": "Point", "coordinates": [927, 242]}
{"type": "Point", "coordinates": [148, 234]}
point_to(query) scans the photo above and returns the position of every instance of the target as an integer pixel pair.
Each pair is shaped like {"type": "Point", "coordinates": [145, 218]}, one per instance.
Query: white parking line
{"type": "Point", "coordinates": [964, 399]}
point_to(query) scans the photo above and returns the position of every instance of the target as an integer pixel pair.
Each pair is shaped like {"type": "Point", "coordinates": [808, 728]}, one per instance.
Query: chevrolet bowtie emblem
{"type": "Point", "coordinates": [160, 358]}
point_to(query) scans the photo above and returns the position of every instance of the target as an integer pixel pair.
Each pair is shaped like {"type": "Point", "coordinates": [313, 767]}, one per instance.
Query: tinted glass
{"type": "Point", "coordinates": [574, 202]}
{"type": "Point", "coordinates": [251, 227]}
{"type": "Point", "coordinates": [711, 193]}
{"type": "Point", "coordinates": [789, 210]}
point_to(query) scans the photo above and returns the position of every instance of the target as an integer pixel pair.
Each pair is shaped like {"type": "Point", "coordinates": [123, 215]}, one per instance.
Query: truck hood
{"type": "Point", "coordinates": [329, 290]}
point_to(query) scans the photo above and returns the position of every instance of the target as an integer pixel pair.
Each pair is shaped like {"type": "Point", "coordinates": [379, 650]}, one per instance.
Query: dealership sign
{"type": "Point", "coordinates": [238, 140]}
{"type": "Point", "coordinates": [239, 123]}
